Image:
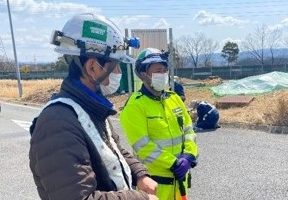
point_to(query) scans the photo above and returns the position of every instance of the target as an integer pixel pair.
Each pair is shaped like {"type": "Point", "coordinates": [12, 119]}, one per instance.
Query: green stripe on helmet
{"type": "Point", "coordinates": [94, 30]}
{"type": "Point", "coordinates": [142, 54]}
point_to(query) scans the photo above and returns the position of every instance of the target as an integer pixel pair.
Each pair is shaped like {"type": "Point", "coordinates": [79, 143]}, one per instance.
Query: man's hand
{"type": "Point", "coordinates": [181, 168]}
{"type": "Point", "coordinates": [192, 160]}
{"type": "Point", "coordinates": [147, 185]}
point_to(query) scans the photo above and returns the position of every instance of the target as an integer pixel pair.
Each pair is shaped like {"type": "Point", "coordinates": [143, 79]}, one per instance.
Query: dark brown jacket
{"type": "Point", "coordinates": [63, 159]}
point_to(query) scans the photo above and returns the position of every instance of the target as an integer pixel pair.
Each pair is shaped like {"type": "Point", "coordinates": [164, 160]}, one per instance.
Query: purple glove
{"type": "Point", "coordinates": [180, 168]}
{"type": "Point", "coordinates": [192, 160]}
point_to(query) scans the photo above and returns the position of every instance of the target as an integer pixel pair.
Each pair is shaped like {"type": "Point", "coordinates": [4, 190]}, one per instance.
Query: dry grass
{"type": "Point", "coordinates": [277, 114]}
{"type": "Point", "coordinates": [271, 108]}
{"type": "Point", "coordinates": [34, 91]}
{"type": "Point", "coordinates": [8, 89]}
{"type": "Point", "coordinates": [268, 109]}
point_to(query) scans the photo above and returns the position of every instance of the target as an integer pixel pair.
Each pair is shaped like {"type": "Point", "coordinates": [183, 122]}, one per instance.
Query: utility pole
{"type": "Point", "coordinates": [35, 62]}
{"type": "Point", "coordinates": [129, 76]}
{"type": "Point", "coordinates": [15, 54]}
{"type": "Point", "coordinates": [171, 59]}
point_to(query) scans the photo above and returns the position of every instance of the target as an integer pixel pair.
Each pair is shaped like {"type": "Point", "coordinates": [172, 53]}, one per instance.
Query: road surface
{"type": "Point", "coordinates": [234, 164]}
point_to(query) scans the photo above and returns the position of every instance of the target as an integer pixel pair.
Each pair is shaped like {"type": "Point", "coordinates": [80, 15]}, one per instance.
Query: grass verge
{"type": "Point", "coordinates": [266, 109]}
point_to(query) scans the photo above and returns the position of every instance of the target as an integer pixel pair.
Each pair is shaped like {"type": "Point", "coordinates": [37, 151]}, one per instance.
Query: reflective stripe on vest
{"type": "Point", "coordinates": [163, 143]}
{"type": "Point", "coordinates": [109, 159]}
{"type": "Point", "coordinates": [152, 156]}
{"type": "Point", "coordinates": [187, 134]}
{"type": "Point", "coordinates": [140, 143]}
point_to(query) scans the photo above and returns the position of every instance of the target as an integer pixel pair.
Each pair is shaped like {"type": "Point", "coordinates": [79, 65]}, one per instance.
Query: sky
{"type": "Point", "coordinates": [220, 20]}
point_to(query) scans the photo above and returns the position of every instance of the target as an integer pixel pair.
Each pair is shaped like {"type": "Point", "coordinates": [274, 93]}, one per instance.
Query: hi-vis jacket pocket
{"type": "Point", "coordinates": [157, 125]}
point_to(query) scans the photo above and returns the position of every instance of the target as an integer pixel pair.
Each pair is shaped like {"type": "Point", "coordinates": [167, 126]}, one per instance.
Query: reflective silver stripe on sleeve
{"type": "Point", "coordinates": [187, 128]}
{"type": "Point", "coordinates": [153, 156]}
{"type": "Point", "coordinates": [191, 137]}
{"type": "Point", "coordinates": [206, 115]}
{"type": "Point", "coordinates": [212, 109]}
{"type": "Point", "coordinates": [169, 142]}
{"type": "Point", "coordinates": [140, 143]}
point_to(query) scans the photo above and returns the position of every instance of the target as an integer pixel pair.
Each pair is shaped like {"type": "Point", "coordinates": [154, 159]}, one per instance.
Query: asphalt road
{"type": "Point", "coordinates": [233, 163]}
{"type": "Point", "coordinates": [15, 178]}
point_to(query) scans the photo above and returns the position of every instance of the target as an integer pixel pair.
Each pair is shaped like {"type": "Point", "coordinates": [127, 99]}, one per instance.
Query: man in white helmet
{"type": "Point", "coordinates": [159, 128]}
{"type": "Point", "coordinates": [74, 152]}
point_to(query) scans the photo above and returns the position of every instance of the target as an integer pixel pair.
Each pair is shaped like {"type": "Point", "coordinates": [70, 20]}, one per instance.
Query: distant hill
{"type": "Point", "coordinates": [245, 58]}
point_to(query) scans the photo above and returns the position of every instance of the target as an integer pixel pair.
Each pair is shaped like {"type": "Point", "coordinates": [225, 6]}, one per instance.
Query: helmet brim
{"type": "Point", "coordinates": [154, 59]}
{"type": "Point", "coordinates": [127, 59]}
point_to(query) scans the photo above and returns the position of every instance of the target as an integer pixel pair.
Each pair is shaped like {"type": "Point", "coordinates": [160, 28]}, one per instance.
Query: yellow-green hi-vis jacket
{"type": "Point", "coordinates": [153, 131]}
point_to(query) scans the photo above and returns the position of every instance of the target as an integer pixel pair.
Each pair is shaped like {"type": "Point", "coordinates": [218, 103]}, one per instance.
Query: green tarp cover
{"type": "Point", "coordinates": [253, 84]}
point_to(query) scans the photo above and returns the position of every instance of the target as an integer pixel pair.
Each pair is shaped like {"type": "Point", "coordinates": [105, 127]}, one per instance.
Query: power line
{"type": "Point", "coordinates": [170, 7]}
{"type": "Point", "coordinates": [183, 8]}
{"type": "Point", "coordinates": [180, 4]}
{"type": "Point", "coordinates": [183, 15]}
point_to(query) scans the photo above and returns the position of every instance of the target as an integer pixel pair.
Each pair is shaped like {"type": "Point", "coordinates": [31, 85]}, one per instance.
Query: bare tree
{"type": "Point", "coordinates": [274, 41]}
{"type": "Point", "coordinates": [263, 38]}
{"type": "Point", "coordinates": [192, 46]}
{"type": "Point", "coordinates": [255, 43]}
{"type": "Point", "coordinates": [209, 47]}
{"type": "Point", "coordinates": [180, 59]}
{"type": "Point", "coordinates": [285, 42]}
{"type": "Point", "coordinates": [6, 65]}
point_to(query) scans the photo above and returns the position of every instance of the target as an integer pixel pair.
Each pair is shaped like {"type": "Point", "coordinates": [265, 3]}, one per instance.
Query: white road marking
{"type": "Point", "coordinates": [23, 124]}
{"type": "Point", "coordinates": [26, 125]}
{"type": "Point", "coordinates": [22, 106]}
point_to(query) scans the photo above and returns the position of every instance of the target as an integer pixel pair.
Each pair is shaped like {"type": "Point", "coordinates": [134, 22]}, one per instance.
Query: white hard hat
{"type": "Point", "coordinates": [93, 36]}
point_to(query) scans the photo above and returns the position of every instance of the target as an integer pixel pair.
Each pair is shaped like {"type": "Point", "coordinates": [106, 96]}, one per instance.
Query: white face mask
{"type": "Point", "coordinates": [159, 81]}
{"type": "Point", "coordinates": [114, 83]}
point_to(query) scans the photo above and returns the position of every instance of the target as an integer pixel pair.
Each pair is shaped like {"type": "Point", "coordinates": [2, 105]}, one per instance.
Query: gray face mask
{"type": "Point", "coordinates": [159, 81]}
{"type": "Point", "coordinates": [114, 84]}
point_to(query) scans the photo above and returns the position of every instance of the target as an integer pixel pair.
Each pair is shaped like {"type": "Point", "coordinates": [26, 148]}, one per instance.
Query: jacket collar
{"type": "Point", "coordinates": [146, 92]}
{"type": "Point", "coordinates": [93, 103]}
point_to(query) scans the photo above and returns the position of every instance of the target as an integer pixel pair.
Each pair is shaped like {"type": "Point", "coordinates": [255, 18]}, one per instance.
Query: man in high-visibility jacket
{"type": "Point", "coordinates": [158, 126]}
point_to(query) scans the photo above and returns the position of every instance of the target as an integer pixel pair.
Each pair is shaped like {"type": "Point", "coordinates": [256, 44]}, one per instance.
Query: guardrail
{"type": "Point", "coordinates": [224, 72]}
{"type": "Point", "coordinates": [231, 72]}
{"type": "Point", "coordinates": [34, 75]}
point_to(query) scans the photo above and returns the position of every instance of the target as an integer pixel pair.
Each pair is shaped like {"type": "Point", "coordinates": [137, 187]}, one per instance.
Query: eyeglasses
{"type": "Point", "coordinates": [110, 66]}
{"type": "Point", "coordinates": [98, 64]}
